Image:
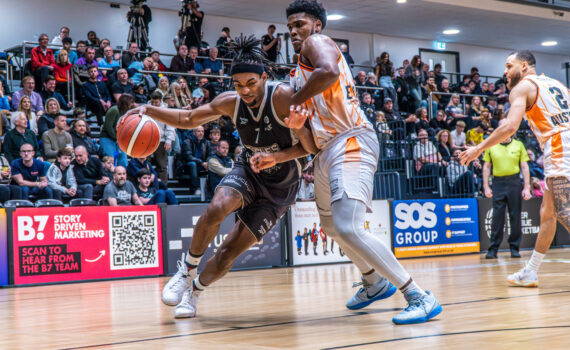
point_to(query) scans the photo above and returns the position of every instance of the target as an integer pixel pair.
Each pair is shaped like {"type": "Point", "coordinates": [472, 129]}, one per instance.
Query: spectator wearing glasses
{"type": "Point", "coordinates": [63, 33]}
{"type": "Point", "coordinates": [42, 59]}
{"type": "Point", "coordinates": [30, 174]}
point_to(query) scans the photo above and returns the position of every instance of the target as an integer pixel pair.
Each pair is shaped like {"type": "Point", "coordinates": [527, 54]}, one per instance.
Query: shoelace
{"type": "Point", "coordinates": [362, 283]}
{"type": "Point", "coordinates": [415, 303]}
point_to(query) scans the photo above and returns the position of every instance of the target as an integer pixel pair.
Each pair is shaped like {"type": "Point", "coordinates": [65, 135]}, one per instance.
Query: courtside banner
{"type": "Point", "coordinates": [3, 248]}
{"type": "Point", "coordinates": [315, 247]}
{"type": "Point", "coordinates": [530, 223]}
{"type": "Point", "coordinates": [180, 224]}
{"type": "Point", "coordinates": [84, 243]}
{"type": "Point", "coordinates": [435, 227]}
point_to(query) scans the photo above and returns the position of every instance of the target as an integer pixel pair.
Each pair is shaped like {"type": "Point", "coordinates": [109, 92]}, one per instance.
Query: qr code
{"type": "Point", "coordinates": [133, 240]}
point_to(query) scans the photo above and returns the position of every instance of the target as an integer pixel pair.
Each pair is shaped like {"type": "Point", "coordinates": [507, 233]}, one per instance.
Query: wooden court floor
{"type": "Point", "coordinates": [300, 308]}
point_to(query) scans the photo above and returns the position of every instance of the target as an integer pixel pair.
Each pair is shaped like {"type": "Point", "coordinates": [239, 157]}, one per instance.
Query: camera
{"type": "Point", "coordinates": [137, 2]}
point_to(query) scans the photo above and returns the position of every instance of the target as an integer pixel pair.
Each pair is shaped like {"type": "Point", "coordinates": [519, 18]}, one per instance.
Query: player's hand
{"type": "Point", "coordinates": [526, 193]}
{"type": "Point", "coordinates": [297, 117]}
{"type": "Point", "coordinates": [469, 155]}
{"type": "Point", "coordinates": [140, 110]}
{"type": "Point", "coordinates": [262, 160]}
{"type": "Point", "coordinates": [488, 192]}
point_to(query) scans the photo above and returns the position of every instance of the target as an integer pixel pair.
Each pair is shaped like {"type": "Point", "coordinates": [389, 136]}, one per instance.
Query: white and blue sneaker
{"type": "Point", "coordinates": [178, 284]}
{"type": "Point", "coordinates": [524, 278]}
{"type": "Point", "coordinates": [369, 293]}
{"type": "Point", "coordinates": [189, 304]}
{"type": "Point", "coordinates": [421, 308]}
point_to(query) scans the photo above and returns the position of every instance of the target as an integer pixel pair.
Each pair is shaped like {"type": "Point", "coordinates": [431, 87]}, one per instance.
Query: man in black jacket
{"type": "Point", "coordinates": [88, 172]}
{"type": "Point", "coordinates": [182, 63]}
{"type": "Point", "coordinates": [97, 96]}
{"type": "Point", "coordinates": [195, 152]}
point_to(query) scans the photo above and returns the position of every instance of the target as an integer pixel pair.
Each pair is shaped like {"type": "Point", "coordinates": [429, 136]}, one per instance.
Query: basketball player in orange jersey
{"type": "Point", "coordinates": [346, 162]}
{"type": "Point", "coordinates": [263, 183]}
{"type": "Point", "coordinates": [544, 101]}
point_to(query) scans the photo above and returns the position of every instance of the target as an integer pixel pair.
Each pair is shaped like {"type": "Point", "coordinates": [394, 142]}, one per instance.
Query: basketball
{"type": "Point", "coordinates": [138, 136]}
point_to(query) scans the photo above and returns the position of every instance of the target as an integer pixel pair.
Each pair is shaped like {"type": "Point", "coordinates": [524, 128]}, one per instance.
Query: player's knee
{"type": "Point", "coordinates": [344, 228]}
{"type": "Point", "coordinates": [225, 257]}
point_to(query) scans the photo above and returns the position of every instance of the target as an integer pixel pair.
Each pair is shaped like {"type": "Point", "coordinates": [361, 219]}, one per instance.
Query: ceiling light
{"type": "Point", "coordinates": [549, 43]}
{"type": "Point", "coordinates": [401, 1]}
{"type": "Point", "coordinates": [451, 31]}
{"type": "Point", "coordinates": [334, 17]}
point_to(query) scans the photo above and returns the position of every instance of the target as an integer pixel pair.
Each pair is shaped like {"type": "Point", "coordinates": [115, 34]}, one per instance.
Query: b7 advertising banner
{"type": "Point", "coordinates": [435, 227]}
{"type": "Point", "coordinates": [3, 248]}
{"type": "Point", "coordinates": [180, 224]}
{"type": "Point", "coordinates": [530, 223]}
{"type": "Point", "coordinates": [85, 243]}
{"type": "Point", "coordinates": [311, 245]}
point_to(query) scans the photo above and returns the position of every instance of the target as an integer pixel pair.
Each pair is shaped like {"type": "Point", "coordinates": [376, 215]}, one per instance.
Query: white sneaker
{"type": "Point", "coordinates": [181, 281]}
{"type": "Point", "coordinates": [420, 310]}
{"type": "Point", "coordinates": [369, 293]}
{"type": "Point", "coordinates": [188, 305]}
{"type": "Point", "coordinates": [523, 278]}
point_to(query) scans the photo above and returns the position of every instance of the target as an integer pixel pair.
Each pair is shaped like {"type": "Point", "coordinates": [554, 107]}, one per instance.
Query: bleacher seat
{"type": "Point", "coordinates": [48, 203]}
{"type": "Point", "coordinates": [81, 202]}
{"type": "Point", "coordinates": [18, 203]}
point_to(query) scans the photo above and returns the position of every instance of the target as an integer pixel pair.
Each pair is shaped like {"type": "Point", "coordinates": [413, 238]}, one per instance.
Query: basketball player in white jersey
{"type": "Point", "coordinates": [545, 102]}
{"type": "Point", "coordinates": [346, 162]}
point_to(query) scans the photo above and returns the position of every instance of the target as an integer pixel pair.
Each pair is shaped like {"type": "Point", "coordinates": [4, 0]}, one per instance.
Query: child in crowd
{"type": "Point", "coordinates": [215, 135]}
{"type": "Point", "coordinates": [108, 166]}
{"type": "Point", "coordinates": [149, 195]}
{"type": "Point", "coordinates": [381, 126]}
{"type": "Point", "coordinates": [169, 100]}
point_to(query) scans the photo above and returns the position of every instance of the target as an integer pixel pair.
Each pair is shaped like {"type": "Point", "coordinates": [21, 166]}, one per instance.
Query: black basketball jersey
{"type": "Point", "coordinates": [261, 130]}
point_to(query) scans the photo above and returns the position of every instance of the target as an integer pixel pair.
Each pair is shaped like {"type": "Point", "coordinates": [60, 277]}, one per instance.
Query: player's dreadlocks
{"type": "Point", "coordinates": [310, 7]}
{"type": "Point", "coordinates": [249, 57]}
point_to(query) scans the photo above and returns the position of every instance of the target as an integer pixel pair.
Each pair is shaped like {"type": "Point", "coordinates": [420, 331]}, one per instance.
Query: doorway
{"type": "Point", "coordinates": [449, 61]}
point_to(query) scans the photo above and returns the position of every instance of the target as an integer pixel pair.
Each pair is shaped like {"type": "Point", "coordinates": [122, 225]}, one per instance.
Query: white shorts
{"type": "Point", "coordinates": [557, 156]}
{"type": "Point", "coordinates": [346, 165]}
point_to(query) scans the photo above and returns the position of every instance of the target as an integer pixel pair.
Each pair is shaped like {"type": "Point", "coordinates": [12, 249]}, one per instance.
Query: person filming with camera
{"type": "Point", "coordinates": [270, 44]}
{"type": "Point", "coordinates": [192, 19]}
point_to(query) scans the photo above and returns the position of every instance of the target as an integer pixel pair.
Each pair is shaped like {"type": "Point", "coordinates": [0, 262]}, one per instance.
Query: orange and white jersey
{"type": "Point", "coordinates": [336, 110]}
{"type": "Point", "coordinates": [549, 119]}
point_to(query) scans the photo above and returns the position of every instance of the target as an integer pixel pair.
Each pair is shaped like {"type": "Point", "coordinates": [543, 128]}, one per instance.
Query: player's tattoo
{"type": "Point", "coordinates": [560, 187]}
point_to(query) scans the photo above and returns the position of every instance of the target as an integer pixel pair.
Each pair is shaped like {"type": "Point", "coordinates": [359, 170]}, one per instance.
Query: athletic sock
{"type": "Point", "coordinates": [192, 261]}
{"type": "Point", "coordinates": [197, 286]}
{"type": "Point", "coordinates": [535, 261]}
{"type": "Point", "coordinates": [372, 277]}
{"type": "Point", "coordinates": [410, 290]}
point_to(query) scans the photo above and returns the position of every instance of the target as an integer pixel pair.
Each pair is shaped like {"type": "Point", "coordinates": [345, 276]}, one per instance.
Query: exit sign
{"type": "Point", "coordinates": [438, 45]}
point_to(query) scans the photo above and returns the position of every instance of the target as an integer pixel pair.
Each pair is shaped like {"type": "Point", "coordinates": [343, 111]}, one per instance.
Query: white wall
{"type": "Point", "coordinates": [24, 19]}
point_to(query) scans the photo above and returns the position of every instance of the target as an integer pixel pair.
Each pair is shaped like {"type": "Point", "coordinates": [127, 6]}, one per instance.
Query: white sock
{"type": "Point", "coordinates": [535, 261]}
{"type": "Point", "coordinates": [372, 278]}
{"type": "Point", "coordinates": [198, 287]}
{"type": "Point", "coordinates": [192, 261]}
{"type": "Point", "coordinates": [411, 289]}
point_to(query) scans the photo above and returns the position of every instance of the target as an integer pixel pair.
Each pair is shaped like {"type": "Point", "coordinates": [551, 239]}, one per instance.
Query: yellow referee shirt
{"type": "Point", "coordinates": [506, 159]}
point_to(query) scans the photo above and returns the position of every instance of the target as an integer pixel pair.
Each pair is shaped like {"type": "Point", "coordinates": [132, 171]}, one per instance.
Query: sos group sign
{"type": "Point", "coordinates": [435, 227]}
{"type": "Point", "coordinates": [84, 243]}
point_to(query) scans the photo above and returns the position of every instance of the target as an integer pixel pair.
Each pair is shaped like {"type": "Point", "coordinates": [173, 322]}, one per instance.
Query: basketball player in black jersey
{"type": "Point", "coordinates": [260, 197]}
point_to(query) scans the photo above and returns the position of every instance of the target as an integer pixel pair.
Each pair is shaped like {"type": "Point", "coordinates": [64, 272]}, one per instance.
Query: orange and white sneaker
{"type": "Point", "coordinates": [524, 278]}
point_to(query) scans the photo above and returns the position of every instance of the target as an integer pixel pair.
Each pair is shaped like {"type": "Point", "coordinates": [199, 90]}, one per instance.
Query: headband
{"type": "Point", "coordinates": [247, 68]}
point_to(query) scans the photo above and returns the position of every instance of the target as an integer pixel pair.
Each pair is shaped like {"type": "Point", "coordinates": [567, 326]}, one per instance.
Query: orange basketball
{"type": "Point", "coordinates": [138, 136]}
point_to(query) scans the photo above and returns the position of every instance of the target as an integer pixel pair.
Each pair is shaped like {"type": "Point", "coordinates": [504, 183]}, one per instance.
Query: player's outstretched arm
{"type": "Point", "coordinates": [518, 98]}
{"type": "Point", "coordinates": [323, 56]}
{"type": "Point", "coordinates": [223, 104]}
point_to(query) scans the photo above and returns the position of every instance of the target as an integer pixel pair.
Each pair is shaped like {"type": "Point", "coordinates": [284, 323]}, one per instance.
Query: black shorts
{"type": "Point", "coordinates": [263, 205]}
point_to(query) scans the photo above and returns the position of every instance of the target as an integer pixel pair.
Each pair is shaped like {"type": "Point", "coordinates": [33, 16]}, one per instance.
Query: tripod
{"type": "Point", "coordinates": [137, 30]}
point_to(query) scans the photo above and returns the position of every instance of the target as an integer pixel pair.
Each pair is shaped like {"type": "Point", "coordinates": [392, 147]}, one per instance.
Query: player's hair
{"type": "Point", "coordinates": [525, 56]}
{"type": "Point", "coordinates": [310, 7]}
{"type": "Point", "coordinates": [142, 172]}
{"type": "Point", "coordinates": [249, 56]}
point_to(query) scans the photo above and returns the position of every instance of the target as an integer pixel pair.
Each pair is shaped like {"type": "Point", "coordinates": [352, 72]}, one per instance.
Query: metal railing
{"type": "Point", "coordinates": [9, 73]}
{"type": "Point", "coordinates": [430, 99]}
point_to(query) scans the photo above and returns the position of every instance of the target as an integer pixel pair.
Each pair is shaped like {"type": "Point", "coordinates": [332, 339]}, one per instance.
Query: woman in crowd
{"type": "Point", "coordinates": [179, 98]}
{"type": "Point", "coordinates": [385, 71]}
{"type": "Point", "coordinates": [163, 86]}
{"type": "Point", "coordinates": [455, 110]}
{"type": "Point", "coordinates": [444, 146]}
{"type": "Point", "coordinates": [486, 119]}
{"type": "Point", "coordinates": [108, 139]}
{"type": "Point", "coordinates": [423, 122]}
{"type": "Point", "coordinates": [413, 77]}
{"type": "Point", "coordinates": [475, 110]}
{"type": "Point", "coordinates": [61, 72]}
{"type": "Point", "coordinates": [185, 88]}
{"type": "Point", "coordinates": [25, 107]}
{"type": "Point", "coordinates": [46, 121]}
{"type": "Point", "coordinates": [81, 137]}
{"type": "Point", "coordinates": [440, 122]}
{"type": "Point", "coordinates": [92, 39]}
